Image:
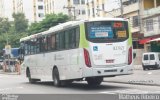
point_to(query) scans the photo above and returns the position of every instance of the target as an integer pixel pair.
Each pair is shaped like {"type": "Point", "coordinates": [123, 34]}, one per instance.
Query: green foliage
{"type": "Point", "coordinates": [20, 23]}
{"type": "Point", "coordinates": [50, 21]}
{"type": "Point", "coordinates": [4, 25]}
{"type": "Point", "coordinates": [13, 31]}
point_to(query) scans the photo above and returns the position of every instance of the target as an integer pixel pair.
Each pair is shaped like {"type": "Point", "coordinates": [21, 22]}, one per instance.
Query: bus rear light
{"type": "Point", "coordinates": [130, 56]}
{"type": "Point", "coordinates": [87, 58]}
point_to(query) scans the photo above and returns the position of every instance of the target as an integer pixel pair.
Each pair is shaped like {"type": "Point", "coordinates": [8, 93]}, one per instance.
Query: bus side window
{"type": "Point", "coordinates": [57, 41]}
{"type": "Point", "coordinates": [62, 40]}
{"type": "Point", "coordinates": [37, 45]}
{"type": "Point", "coordinates": [43, 44]}
{"type": "Point", "coordinates": [49, 43]}
{"type": "Point", "coordinates": [53, 42]}
{"type": "Point", "coordinates": [72, 39]}
{"type": "Point", "coordinates": [67, 39]}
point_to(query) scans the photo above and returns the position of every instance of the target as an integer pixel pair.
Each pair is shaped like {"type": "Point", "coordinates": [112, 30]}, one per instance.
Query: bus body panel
{"type": "Point", "coordinates": [109, 53]}
{"type": "Point", "coordinates": [66, 61]}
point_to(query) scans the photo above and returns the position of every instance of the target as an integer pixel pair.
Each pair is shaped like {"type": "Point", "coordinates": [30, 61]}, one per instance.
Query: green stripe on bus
{"type": "Point", "coordinates": [83, 40]}
{"type": "Point", "coordinates": [130, 35]}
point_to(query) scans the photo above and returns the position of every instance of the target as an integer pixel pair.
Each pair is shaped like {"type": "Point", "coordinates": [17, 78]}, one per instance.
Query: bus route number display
{"type": "Point", "coordinates": [101, 32]}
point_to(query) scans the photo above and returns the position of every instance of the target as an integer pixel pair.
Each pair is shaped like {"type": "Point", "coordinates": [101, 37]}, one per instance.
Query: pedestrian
{"type": "Point", "coordinates": [18, 67]}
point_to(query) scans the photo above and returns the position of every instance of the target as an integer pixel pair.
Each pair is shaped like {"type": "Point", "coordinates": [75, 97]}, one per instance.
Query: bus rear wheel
{"type": "Point", "coordinates": [56, 80]}
{"type": "Point", "coordinates": [94, 81]}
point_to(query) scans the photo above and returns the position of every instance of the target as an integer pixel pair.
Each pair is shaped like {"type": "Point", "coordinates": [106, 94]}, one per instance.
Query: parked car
{"type": "Point", "coordinates": [151, 60]}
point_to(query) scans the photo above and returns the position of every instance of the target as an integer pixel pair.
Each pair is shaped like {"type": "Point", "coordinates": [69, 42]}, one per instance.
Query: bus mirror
{"type": "Point", "coordinates": [134, 55]}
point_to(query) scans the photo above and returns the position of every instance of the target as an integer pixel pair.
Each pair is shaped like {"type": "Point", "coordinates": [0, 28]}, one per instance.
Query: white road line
{"type": "Point", "coordinates": [11, 88]}
{"type": "Point", "coordinates": [149, 73]}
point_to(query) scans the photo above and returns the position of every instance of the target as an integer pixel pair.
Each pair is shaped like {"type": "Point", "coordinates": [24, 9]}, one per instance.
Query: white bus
{"type": "Point", "coordinates": [79, 50]}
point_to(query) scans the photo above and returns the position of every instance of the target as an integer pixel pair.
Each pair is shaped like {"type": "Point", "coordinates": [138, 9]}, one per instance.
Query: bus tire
{"type": "Point", "coordinates": [56, 80]}
{"type": "Point", "coordinates": [29, 77]}
{"type": "Point", "coordinates": [94, 81]}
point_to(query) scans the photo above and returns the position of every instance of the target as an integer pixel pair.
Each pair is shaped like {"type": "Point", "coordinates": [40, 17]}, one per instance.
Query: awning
{"type": "Point", "coordinates": [146, 40]}
{"type": "Point", "coordinates": [157, 39]}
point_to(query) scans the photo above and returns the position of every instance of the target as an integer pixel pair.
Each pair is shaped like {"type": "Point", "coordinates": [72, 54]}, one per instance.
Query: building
{"type": "Point", "coordinates": [73, 8]}
{"type": "Point", "coordinates": [150, 11]}
{"type": "Point", "coordinates": [95, 8]}
{"type": "Point", "coordinates": [6, 9]}
{"type": "Point", "coordinates": [33, 9]}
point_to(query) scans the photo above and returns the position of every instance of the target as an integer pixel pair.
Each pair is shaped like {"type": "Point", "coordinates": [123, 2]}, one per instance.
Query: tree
{"type": "Point", "coordinates": [50, 21]}
{"type": "Point", "coordinates": [11, 32]}
{"type": "Point", "coordinates": [4, 25]}
{"type": "Point", "coordinates": [20, 23]}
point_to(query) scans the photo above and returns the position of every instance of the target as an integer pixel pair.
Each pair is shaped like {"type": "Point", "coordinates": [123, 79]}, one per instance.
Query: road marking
{"type": "Point", "coordinates": [11, 88]}
{"type": "Point", "coordinates": [149, 73]}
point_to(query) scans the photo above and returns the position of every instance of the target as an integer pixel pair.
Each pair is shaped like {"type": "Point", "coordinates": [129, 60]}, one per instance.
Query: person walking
{"type": "Point", "coordinates": [18, 67]}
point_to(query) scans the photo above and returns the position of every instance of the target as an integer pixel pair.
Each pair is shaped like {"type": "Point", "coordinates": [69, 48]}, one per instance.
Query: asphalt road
{"type": "Point", "coordinates": [18, 84]}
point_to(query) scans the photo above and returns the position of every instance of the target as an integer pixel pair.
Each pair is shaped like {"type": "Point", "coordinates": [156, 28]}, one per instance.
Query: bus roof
{"type": "Point", "coordinates": [69, 24]}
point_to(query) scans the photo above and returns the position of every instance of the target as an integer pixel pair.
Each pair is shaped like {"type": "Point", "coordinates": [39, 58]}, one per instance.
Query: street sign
{"type": "Point", "coordinates": [7, 49]}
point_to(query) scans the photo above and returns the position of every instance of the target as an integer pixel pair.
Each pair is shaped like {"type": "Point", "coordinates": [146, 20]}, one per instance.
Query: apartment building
{"type": "Point", "coordinates": [95, 8]}
{"type": "Point", "coordinates": [6, 9]}
{"type": "Point", "coordinates": [33, 9]}
{"type": "Point", "coordinates": [150, 11]}
{"type": "Point", "coordinates": [73, 8]}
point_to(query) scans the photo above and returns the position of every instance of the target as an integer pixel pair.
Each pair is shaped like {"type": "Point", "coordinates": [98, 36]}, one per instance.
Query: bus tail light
{"type": "Point", "coordinates": [130, 56]}
{"type": "Point", "coordinates": [87, 58]}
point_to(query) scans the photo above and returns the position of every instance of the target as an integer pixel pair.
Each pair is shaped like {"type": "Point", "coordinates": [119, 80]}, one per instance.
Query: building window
{"type": "Point", "coordinates": [40, 7]}
{"type": "Point", "coordinates": [82, 2]}
{"type": "Point", "coordinates": [77, 12]}
{"type": "Point", "coordinates": [40, 0]}
{"type": "Point", "coordinates": [76, 2]}
{"type": "Point", "coordinates": [83, 12]}
{"type": "Point", "coordinates": [88, 12]}
{"type": "Point", "coordinates": [149, 25]}
{"type": "Point", "coordinates": [135, 21]}
{"type": "Point", "coordinates": [93, 12]}
{"type": "Point", "coordinates": [103, 8]}
{"type": "Point", "coordinates": [159, 21]}
{"type": "Point", "coordinates": [40, 15]}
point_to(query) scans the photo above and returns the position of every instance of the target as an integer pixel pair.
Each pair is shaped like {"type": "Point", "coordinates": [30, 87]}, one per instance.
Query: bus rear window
{"type": "Point", "coordinates": [103, 31]}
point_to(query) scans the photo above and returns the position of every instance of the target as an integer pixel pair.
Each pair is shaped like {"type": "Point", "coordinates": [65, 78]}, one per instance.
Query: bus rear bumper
{"type": "Point", "coordinates": [114, 71]}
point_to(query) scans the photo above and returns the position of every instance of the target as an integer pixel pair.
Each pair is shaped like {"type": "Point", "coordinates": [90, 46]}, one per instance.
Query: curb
{"type": "Point", "coordinates": [133, 83]}
{"type": "Point", "coordinates": [8, 73]}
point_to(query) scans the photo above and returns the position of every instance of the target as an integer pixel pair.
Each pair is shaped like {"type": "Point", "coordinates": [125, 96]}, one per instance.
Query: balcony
{"type": "Point", "coordinates": [131, 8]}
{"type": "Point", "coordinates": [151, 12]}
{"type": "Point", "coordinates": [126, 10]}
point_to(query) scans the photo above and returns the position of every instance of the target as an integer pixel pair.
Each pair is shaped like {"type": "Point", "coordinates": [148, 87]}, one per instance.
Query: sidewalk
{"type": "Point", "coordinates": [8, 73]}
{"type": "Point", "coordinates": [138, 67]}
{"type": "Point", "coordinates": [139, 77]}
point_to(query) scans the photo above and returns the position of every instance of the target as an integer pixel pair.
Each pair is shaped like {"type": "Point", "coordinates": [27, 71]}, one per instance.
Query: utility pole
{"type": "Point", "coordinates": [121, 8]}
{"type": "Point", "coordinates": [69, 11]}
